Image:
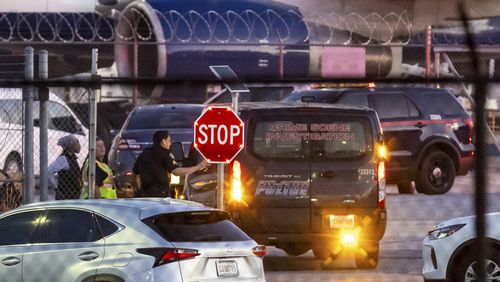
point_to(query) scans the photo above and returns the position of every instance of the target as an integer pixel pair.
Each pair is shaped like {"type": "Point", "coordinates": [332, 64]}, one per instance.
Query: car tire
{"type": "Point", "coordinates": [465, 268]}
{"type": "Point", "coordinates": [406, 187]}
{"type": "Point", "coordinates": [436, 174]}
{"type": "Point", "coordinates": [367, 257]}
{"type": "Point", "coordinates": [296, 249]}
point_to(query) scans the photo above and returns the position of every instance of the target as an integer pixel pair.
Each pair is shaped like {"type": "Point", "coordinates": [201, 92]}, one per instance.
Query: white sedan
{"type": "Point", "coordinates": [125, 240]}
{"type": "Point", "coordinates": [448, 250]}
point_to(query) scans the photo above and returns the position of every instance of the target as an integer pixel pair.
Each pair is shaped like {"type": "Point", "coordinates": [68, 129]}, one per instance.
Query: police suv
{"type": "Point", "coordinates": [311, 176]}
{"type": "Point", "coordinates": [427, 131]}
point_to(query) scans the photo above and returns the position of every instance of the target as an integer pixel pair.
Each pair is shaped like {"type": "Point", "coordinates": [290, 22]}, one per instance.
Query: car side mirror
{"type": "Point", "coordinates": [77, 126]}
{"type": "Point", "coordinates": [177, 151]}
{"type": "Point", "coordinates": [114, 132]}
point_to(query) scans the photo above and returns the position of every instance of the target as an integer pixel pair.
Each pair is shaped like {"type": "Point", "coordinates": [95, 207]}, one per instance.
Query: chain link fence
{"type": "Point", "coordinates": [11, 142]}
{"type": "Point", "coordinates": [64, 117]}
{"type": "Point", "coordinates": [291, 52]}
{"type": "Point", "coordinates": [67, 116]}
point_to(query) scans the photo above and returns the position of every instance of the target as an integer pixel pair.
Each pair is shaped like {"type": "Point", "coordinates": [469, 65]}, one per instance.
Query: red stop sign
{"type": "Point", "coordinates": [219, 134]}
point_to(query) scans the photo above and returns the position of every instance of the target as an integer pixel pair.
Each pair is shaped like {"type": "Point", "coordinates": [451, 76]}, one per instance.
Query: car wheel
{"type": "Point", "coordinates": [13, 167]}
{"type": "Point", "coordinates": [467, 268]}
{"type": "Point", "coordinates": [367, 257]}
{"type": "Point", "coordinates": [436, 175]}
{"type": "Point", "coordinates": [296, 249]}
{"type": "Point", "coordinates": [406, 187]}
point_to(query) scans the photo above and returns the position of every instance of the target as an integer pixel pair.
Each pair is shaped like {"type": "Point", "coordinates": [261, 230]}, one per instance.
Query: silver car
{"type": "Point", "coordinates": [125, 240]}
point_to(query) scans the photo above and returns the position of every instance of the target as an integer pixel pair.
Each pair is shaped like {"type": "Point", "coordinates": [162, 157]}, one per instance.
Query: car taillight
{"type": "Point", "coordinates": [168, 255]}
{"type": "Point", "coordinates": [382, 152]}
{"type": "Point", "coordinates": [236, 185]}
{"type": "Point", "coordinates": [381, 185]}
{"type": "Point", "coordinates": [259, 251]}
{"type": "Point", "coordinates": [127, 144]}
{"type": "Point", "coordinates": [470, 124]}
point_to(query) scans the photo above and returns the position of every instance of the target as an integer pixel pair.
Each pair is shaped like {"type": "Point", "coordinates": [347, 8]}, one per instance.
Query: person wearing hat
{"type": "Point", "coordinates": [64, 172]}
{"type": "Point", "coordinates": [154, 166]}
{"type": "Point", "coordinates": [103, 175]}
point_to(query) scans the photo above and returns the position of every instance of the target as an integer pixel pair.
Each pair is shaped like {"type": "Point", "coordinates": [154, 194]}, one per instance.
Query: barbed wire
{"type": "Point", "coordinates": [270, 26]}
{"type": "Point", "coordinates": [249, 26]}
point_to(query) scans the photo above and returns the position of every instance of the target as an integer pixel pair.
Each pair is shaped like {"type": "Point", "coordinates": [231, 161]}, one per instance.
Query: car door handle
{"type": "Point", "coordinates": [420, 124]}
{"type": "Point", "coordinates": [10, 261]}
{"type": "Point", "coordinates": [88, 256]}
{"type": "Point", "coordinates": [328, 174]}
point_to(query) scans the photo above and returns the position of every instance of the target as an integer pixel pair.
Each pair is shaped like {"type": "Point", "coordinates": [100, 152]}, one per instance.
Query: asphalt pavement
{"type": "Point", "coordinates": [410, 217]}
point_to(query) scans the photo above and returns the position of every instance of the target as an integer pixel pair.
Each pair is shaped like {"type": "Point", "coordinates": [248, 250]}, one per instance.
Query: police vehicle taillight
{"type": "Point", "coordinates": [381, 184]}
{"type": "Point", "coordinates": [236, 185]}
{"type": "Point", "coordinates": [382, 153]}
{"type": "Point", "coordinates": [470, 124]}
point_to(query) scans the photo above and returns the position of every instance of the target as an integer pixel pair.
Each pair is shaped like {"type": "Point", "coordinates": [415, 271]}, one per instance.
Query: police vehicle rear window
{"type": "Point", "coordinates": [444, 103]}
{"type": "Point", "coordinates": [150, 119]}
{"type": "Point", "coordinates": [196, 226]}
{"type": "Point", "coordinates": [318, 137]}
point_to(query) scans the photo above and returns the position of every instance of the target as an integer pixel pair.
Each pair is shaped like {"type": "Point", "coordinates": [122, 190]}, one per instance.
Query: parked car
{"type": "Point", "coordinates": [427, 131]}
{"type": "Point", "coordinates": [62, 121]}
{"type": "Point", "coordinates": [448, 250]}
{"type": "Point", "coordinates": [309, 177]}
{"type": "Point", "coordinates": [125, 240]}
{"type": "Point", "coordinates": [137, 133]}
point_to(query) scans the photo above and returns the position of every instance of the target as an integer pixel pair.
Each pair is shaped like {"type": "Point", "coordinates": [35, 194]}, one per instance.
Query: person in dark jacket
{"type": "Point", "coordinates": [64, 172]}
{"type": "Point", "coordinates": [154, 166]}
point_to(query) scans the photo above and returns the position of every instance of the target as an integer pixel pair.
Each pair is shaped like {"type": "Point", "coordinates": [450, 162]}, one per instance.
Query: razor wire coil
{"type": "Point", "coordinates": [210, 26]}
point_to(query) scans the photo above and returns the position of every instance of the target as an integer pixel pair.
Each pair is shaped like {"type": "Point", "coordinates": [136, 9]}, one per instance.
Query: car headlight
{"type": "Point", "coordinates": [444, 231]}
{"type": "Point", "coordinates": [175, 180]}
{"type": "Point", "coordinates": [204, 185]}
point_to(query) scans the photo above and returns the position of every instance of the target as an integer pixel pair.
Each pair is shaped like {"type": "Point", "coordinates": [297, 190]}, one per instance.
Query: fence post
{"type": "Point", "coordinates": [92, 128]}
{"type": "Point", "coordinates": [43, 96]}
{"type": "Point", "coordinates": [29, 178]}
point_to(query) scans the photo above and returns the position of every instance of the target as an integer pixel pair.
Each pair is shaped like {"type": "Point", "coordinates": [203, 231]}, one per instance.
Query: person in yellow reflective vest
{"type": "Point", "coordinates": [103, 175]}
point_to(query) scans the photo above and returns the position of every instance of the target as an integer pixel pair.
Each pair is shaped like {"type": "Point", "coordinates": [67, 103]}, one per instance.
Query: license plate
{"type": "Point", "coordinates": [342, 221]}
{"type": "Point", "coordinates": [226, 268]}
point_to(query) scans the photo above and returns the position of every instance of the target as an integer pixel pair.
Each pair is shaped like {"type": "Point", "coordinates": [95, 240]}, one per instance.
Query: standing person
{"type": "Point", "coordinates": [64, 172]}
{"type": "Point", "coordinates": [154, 165]}
{"type": "Point", "coordinates": [103, 175]}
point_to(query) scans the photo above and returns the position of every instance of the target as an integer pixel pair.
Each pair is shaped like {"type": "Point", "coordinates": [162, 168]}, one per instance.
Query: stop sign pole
{"type": "Point", "coordinates": [232, 83]}
{"type": "Point", "coordinates": [219, 135]}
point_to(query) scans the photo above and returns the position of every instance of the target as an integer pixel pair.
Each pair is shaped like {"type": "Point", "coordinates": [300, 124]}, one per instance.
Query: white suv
{"type": "Point", "coordinates": [62, 121]}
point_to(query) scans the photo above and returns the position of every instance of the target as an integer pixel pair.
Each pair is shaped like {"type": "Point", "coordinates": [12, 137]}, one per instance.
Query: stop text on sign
{"type": "Point", "coordinates": [218, 134]}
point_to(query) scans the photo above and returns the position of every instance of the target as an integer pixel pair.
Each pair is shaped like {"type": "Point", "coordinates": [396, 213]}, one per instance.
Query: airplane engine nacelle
{"type": "Point", "coordinates": [180, 39]}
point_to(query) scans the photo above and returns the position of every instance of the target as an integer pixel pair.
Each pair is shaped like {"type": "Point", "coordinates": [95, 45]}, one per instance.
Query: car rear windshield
{"type": "Point", "coordinates": [164, 118]}
{"type": "Point", "coordinates": [198, 226]}
{"type": "Point", "coordinates": [317, 136]}
{"type": "Point", "coordinates": [445, 103]}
